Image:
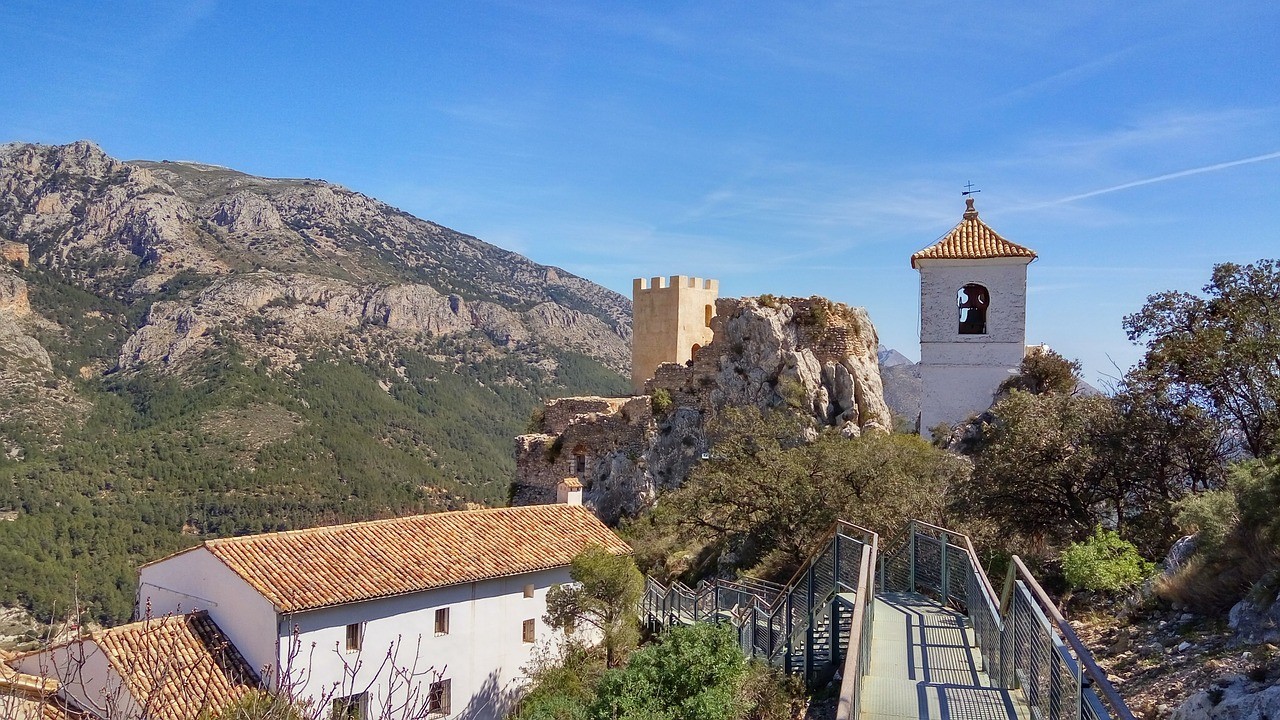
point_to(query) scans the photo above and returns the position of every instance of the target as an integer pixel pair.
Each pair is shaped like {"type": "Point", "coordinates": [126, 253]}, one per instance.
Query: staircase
{"type": "Point", "coordinates": [918, 632]}
{"type": "Point", "coordinates": [803, 626]}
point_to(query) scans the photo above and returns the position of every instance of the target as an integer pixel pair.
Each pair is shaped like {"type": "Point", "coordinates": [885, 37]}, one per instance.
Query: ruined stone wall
{"type": "Point", "coordinates": [599, 441]}
{"type": "Point", "coordinates": [809, 354]}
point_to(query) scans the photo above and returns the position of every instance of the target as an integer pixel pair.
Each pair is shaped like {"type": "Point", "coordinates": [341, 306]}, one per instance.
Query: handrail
{"type": "Point", "coordinates": [849, 705]}
{"type": "Point", "coordinates": [1083, 655]}
{"type": "Point", "coordinates": [973, 557]}
{"type": "Point", "coordinates": [789, 613]}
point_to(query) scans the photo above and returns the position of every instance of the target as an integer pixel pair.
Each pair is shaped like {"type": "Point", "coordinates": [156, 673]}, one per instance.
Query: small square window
{"type": "Point", "coordinates": [528, 590]}
{"type": "Point", "coordinates": [355, 637]}
{"type": "Point", "coordinates": [442, 621]}
{"type": "Point", "coordinates": [528, 630]}
{"type": "Point", "coordinates": [438, 697]}
{"type": "Point", "coordinates": [352, 707]}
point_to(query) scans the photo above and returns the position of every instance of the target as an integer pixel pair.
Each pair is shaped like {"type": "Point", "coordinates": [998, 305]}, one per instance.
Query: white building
{"type": "Point", "coordinates": [442, 609]}
{"type": "Point", "coordinates": [177, 667]}
{"type": "Point", "coordinates": [973, 319]}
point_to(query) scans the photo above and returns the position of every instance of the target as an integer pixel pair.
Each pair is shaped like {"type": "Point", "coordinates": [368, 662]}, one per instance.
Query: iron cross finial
{"type": "Point", "coordinates": [968, 189]}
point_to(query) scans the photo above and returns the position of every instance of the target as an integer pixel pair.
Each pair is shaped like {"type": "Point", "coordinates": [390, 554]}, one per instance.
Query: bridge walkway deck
{"type": "Point", "coordinates": [925, 665]}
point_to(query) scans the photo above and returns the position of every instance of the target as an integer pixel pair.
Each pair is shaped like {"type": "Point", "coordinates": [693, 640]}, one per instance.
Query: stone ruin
{"type": "Point", "coordinates": [812, 354]}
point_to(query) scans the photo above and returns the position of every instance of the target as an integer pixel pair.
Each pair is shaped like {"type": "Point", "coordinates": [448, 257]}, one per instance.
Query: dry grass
{"type": "Point", "coordinates": [1210, 584]}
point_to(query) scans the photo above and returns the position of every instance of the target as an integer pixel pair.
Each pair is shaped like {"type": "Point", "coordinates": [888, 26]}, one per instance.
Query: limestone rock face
{"type": "Point", "coordinates": [817, 356]}
{"type": "Point", "coordinates": [302, 256]}
{"type": "Point", "coordinates": [1254, 624]}
{"type": "Point", "coordinates": [812, 355]}
{"type": "Point", "coordinates": [1233, 698]}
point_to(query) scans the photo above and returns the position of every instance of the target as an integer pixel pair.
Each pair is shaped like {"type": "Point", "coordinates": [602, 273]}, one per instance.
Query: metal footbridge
{"type": "Point", "coordinates": [915, 632]}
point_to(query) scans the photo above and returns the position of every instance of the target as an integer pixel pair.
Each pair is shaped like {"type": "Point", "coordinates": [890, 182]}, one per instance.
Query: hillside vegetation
{"type": "Point", "coordinates": [192, 352]}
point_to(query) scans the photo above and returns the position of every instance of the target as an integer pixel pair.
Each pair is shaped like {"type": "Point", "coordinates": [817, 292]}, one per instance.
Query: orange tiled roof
{"type": "Point", "coordinates": [972, 239]}
{"type": "Point", "coordinates": [178, 665]}
{"type": "Point", "coordinates": [325, 566]}
{"type": "Point", "coordinates": [175, 667]}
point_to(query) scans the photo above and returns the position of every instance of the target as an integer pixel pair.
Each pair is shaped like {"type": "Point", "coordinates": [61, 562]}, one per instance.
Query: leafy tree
{"type": "Point", "coordinates": [1044, 371]}
{"type": "Point", "coordinates": [604, 594]}
{"type": "Point", "coordinates": [1104, 562]}
{"type": "Point", "coordinates": [1035, 472]}
{"type": "Point", "coordinates": [765, 492]}
{"type": "Point", "coordinates": [1050, 467]}
{"type": "Point", "coordinates": [1220, 351]}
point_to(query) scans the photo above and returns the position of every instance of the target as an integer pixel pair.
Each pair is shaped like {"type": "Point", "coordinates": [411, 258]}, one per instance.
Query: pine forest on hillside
{"type": "Point", "coordinates": [191, 352]}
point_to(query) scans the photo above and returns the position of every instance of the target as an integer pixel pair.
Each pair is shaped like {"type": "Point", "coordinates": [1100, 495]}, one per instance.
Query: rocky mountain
{"type": "Point", "coordinates": [810, 355]}
{"type": "Point", "coordinates": [187, 350]}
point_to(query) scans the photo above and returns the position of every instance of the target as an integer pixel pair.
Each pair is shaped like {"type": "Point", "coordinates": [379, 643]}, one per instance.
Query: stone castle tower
{"type": "Point", "coordinates": [973, 319]}
{"type": "Point", "coordinates": [670, 321]}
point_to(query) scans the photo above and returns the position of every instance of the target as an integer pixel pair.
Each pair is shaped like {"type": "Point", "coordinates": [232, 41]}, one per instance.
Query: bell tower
{"type": "Point", "coordinates": [973, 318]}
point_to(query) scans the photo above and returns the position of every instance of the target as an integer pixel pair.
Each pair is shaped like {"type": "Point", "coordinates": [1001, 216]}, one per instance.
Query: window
{"type": "Point", "coordinates": [528, 590]}
{"type": "Point", "coordinates": [710, 311]}
{"type": "Point", "coordinates": [528, 630]}
{"type": "Point", "coordinates": [579, 463]}
{"type": "Point", "coordinates": [352, 707]}
{"type": "Point", "coordinates": [438, 697]}
{"type": "Point", "coordinates": [973, 300]}
{"type": "Point", "coordinates": [355, 636]}
{"type": "Point", "coordinates": [442, 621]}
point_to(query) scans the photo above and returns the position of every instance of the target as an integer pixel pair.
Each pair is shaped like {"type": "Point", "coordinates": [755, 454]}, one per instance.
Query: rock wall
{"type": "Point", "coordinates": [599, 441]}
{"type": "Point", "coordinates": [16, 254]}
{"type": "Point", "coordinates": [810, 354]}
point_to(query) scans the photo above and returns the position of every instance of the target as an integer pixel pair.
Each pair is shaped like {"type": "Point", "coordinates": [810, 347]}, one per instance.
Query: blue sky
{"type": "Point", "coordinates": [789, 148]}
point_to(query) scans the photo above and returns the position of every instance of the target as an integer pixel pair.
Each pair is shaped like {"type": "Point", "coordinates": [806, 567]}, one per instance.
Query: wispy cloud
{"type": "Point", "coordinates": [1064, 77]}
{"type": "Point", "coordinates": [1163, 178]}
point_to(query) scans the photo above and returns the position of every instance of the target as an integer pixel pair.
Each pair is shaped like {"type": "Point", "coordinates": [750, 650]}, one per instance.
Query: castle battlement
{"type": "Point", "coordinates": [670, 322]}
{"type": "Point", "coordinates": [640, 285]}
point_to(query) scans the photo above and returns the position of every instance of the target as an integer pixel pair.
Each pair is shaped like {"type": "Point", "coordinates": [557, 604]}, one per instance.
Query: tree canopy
{"type": "Point", "coordinates": [1221, 351]}
{"type": "Point", "coordinates": [605, 591]}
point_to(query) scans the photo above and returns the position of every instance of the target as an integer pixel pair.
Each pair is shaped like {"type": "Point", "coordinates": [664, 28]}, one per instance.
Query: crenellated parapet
{"type": "Point", "coordinates": [671, 322]}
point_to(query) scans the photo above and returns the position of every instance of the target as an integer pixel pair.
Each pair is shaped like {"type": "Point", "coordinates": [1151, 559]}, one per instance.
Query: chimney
{"type": "Point", "coordinates": [569, 492]}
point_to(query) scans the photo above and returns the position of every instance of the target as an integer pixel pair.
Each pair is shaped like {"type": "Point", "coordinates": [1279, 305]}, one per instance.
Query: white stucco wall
{"type": "Point", "coordinates": [960, 373]}
{"type": "Point", "coordinates": [482, 655]}
{"type": "Point", "coordinates": [84, 676]}
{"type": "Point", "coordinates": [196, 580]}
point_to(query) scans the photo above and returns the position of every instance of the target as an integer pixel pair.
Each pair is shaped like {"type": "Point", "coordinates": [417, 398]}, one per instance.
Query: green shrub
{"type": "Point", "coordinates": [694, 673]}
{"type": "Point", "coordinates": [1104, 562]}
{"type": "Point", "coordinates": [661, 402]}
{"type": "Point", "coordinates": [1209, 515]}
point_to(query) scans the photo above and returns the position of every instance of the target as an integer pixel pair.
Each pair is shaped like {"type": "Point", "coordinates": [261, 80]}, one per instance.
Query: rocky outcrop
{"type": "Point", "coordinates": [1235, 697]}
{"type": "Point", "coordinates": [816, 357]}
{"type": "Point", "coordinates": [130, 230]}
{"type": "Point", "coordinates": [810, 353]}
{"type": "Point", "coordinates": [1255, 623]}
{"type": "Point", "coordinates": [16, 254]}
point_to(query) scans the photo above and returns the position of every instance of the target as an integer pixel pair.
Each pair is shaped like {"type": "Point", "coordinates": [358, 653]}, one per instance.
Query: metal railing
{"type": "Point", "coordinates": [1023, 640]}
{"type": "Point", "coordinates": [795, 626]}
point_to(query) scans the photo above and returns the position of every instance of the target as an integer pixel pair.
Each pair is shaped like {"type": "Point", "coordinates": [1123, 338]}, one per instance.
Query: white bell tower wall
{"type": "Point", "coordinates": [960, 371]}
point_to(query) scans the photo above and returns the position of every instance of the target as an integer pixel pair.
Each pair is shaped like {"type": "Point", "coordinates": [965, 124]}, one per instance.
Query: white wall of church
{"type": "Point", "coordinates": [960, 373]}
{"type": "Point", "coordinates": [1005, 278]}
{"type": "Point", "coordinates": [955, 392]}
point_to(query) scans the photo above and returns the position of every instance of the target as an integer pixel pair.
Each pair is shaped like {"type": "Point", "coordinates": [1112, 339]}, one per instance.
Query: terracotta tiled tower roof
{"type": "Point", "coordinates": [972, 239]}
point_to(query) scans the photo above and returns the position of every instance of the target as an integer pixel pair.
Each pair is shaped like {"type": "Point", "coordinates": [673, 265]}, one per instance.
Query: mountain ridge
{"type": "Point", "coordinates": [188, 351]}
